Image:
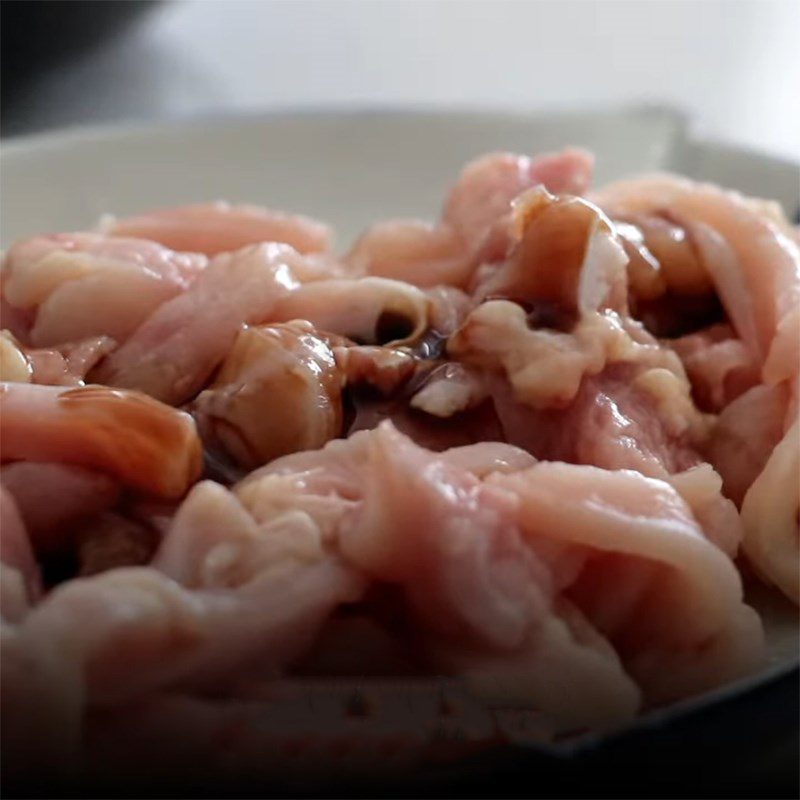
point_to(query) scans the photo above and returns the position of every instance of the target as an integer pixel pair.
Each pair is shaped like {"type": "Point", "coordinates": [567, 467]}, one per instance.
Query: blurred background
{"type": "Point", "coordinates": [732, 65]}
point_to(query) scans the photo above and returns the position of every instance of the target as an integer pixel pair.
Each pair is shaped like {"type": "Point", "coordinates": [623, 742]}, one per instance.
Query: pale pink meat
{"type": "Point", "coordinates": [475, 223]}
{"type": "Point", "coordinates": [392, 536]}
{"type": "Point", "coordinates": [368, 310]}
{"type": "Point", "coordinates": [65, 366]}
{"type": "Point", "coordinates": [569, 420]}
{"type": "Point", "coordinates": [52, 497]}
{"type": "Point", "coordinates": [110, 541]}
{"type": "Point", "coordinates": [611, 423]}
{"type": "Point", "coordinates": [214, 228]}
{"type": "Point", "coordinates": [403, 515]}
{"type": "Point", "coordinates": [412, 251]}
{"type": "Point", "coordinates": [173, 353]}
{"type": "Point", "coordinates": [701, 487]}
{"type": "Point", "coordinates": [718, 364]}
{"type": "Point", "coordinates": [745, 434]}
{"type": "Point", "coordinates": [83, 284]}
{"type": "Point", "coordinates": [41, 702]}
{"type": "Point", "coordinates": [136, 440]}
{"type": "Point", "coordinates": [16, 552]}
{"type": "Point", "coordinates": [222, 595]}
{"type": "Point", "coordinates": [638, 536]}
{"type": "Point", "coordinates": [770, 514]}
{"type": "Point", "coordinates": [484, 191]}
{"type": "Point", "coordinates": [17, 321]}
{"type": "Point", "coordinates": [760, 279]}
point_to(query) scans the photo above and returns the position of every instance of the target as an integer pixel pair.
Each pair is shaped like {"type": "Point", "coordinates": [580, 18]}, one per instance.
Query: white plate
{"type": "Point", "coordinates": [352, 168]}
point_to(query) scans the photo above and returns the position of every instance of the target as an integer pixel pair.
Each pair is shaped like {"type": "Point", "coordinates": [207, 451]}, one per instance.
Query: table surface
{"type": "Point", "coordinates": [733, 66]}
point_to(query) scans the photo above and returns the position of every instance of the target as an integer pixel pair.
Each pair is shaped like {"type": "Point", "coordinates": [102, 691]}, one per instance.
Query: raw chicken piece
{"type": "Point", "coordinates": [385, 369]}
{"type": "Point", "coordinates": [367, 310]}
{"type": "Point", "coordinates": [681, 266]}
{"type": "Point", "coordinates": [449, 306]}
{"type": "Point", "coordinates": [120, 635]}
{"type": "Point", "coordinates": [65, 366]}
{"type": "Point", "coordinates": [450, 388]}
{"type": "Point", "coordinates": [82, 285]}
{"type": "Point", "coordinates": [214, 228]}
{"type": "Point", "coordinates": [40, 702]}
{"type": "Point", "coordinates": [745, 434]}
{"type": "Point", "coordinates": [53, 497]}
{"type": "Point", "coordinates": [758, 280]}
{"type": "Point", "coordinates": [111, 541]}
{"type": "Point", "coordinates": [770, 516]}
{"type": "Point", "coordinates": [566, 262]}
{"type": "Point", "coordinates": [135, 439]}
{"type": "Point", "coordinates": [676, 615]}
{"type": "Point", "coordinates": [718, 364]}
{"type": "Point", "coordinates": [255, 598]}
{"type": "Point", "coordinates": [544, 366]}
{"type": "Point", "coordinates": [566, 276]}
{"type": "Point", "coordinates": [409, 517]}
{"type": "Point", "coordinates": [17, 555]}
{"type": "Point", "coordinates": [483, 193]}
{"type": "Point", "coordinates": [14, 363]}
{"type": "Point", "coordinates": [783, 360]}
{"type": "Point", "coordinates": [413, 251]}
{"type": "Point", "coordinates": [277, 391]}
{"type": "Point", "coordinates": [251, 600]}
{"type": "Point", "coordinates": [625, 418]}
{"type": "Point", "coordinates": [701, 488]}
{"type": "Point", "coordinates": [17, 321]}
{"type": "Point", "coordinates": [173, 353]}
{"type": "Point", "coordinates": [475, 220]}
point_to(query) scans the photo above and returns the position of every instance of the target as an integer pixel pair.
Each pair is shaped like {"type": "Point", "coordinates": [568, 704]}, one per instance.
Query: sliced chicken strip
{"type": "Point", "coordinates": [277, 391]}
{"type": "Point", "coordinates": [718, 364]}
{"type": "Point", "coordinates": [82, 284]}
{"type": "Point", "coordinates": [745, 434]}
{"type": "Point", "coordinates": [412, 251]}
{"type": "Point", "coordinates": [135, 439]}
{"type": "Point", "coordinates": [174, 352]}
{"type": "Point", "coordinates": [426, 523]}
{"type": "Point", "coordinates": [770, 516]}
{"type": "Point", "coordinates": [65, 366]}
{"type": "Point", "coordinates": [483, 192]}
{"type": "Point", "coordinates": [677, 611]}
{"type": "Point", "coordinates": [52, 497]}
{"type": "Point", "coordinates": [567, 262]}
{"type": "Point", "coordinates": [475, 224]}
{"type": "Point", "coordinates": [763, 284]}
{"type": "Point", "coordinates": [367, 310]}
{"type": "Point", "coordinates": [214, 228]}
{"type": "Point", "coordinates": [16, 554]}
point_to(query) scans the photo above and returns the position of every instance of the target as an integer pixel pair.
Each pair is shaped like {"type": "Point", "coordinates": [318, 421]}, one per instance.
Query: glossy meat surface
{"type": "Point", "coordinates": [530, 448]}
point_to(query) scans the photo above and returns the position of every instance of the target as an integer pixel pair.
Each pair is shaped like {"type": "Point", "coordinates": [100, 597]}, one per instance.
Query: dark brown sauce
{"type": "Point", "coordinates": [393, 326]}
{"type": "Point", "coordinates": [219, 467]}
{"type": "Point", "coordinates": [672, 315]}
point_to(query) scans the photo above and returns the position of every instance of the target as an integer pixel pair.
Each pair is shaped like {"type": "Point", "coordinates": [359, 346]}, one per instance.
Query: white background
{"type": "Point", "coordinates": [733, 65]}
